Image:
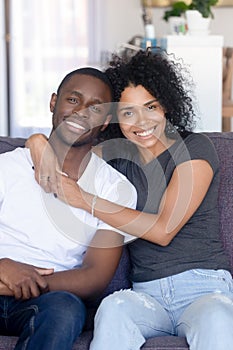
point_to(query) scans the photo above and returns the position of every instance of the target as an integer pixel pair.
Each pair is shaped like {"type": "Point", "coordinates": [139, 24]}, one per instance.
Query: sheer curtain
{"type": "Point", "coordinates": [49, 38]}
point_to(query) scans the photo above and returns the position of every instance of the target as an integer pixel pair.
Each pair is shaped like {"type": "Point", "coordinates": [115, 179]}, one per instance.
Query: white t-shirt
{"type": "Point", "coordinates": [39, 229]}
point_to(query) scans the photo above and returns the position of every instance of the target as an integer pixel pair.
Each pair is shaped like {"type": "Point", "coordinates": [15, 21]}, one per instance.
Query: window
{"type": "Point", "coordinates": [48, 38]}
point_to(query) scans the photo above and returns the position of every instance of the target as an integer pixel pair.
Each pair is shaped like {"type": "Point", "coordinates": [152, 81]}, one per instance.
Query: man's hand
{"type": "Point", "coordinates": [25, 281]}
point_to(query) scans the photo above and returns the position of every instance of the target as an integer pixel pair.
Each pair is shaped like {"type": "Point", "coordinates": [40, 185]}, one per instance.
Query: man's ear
{"type": "Point", "coordinates": [106, 123]}
{"type": "Point", "coordinates": [53, 101]}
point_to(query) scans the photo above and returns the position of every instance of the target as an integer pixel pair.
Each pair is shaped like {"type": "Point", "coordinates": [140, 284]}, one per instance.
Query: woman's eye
{"type": "Point", "coordinates": [128, 114]}
{"type": "Point", "coordinates": [151, 107]}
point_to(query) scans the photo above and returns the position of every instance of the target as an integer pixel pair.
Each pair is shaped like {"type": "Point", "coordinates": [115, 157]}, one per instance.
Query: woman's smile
{"type": "Point", "coordinates": [145, 133]}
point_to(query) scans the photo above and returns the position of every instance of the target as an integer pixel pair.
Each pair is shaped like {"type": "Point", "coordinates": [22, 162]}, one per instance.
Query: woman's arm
{"type": "Point", "coordinates": [44, 160]}
{"type": "Point", "coordinates": [185, 192]}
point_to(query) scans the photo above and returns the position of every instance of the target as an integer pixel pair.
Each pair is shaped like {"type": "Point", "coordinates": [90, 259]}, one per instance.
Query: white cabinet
{"type": "Point", "coordinates": [203, 55]}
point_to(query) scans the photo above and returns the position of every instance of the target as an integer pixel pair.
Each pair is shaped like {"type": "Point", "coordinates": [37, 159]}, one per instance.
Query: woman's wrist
{"type": "Point", "coordinates": [89, 202]}
{"type": "Point", "coordinates": [93, 203]}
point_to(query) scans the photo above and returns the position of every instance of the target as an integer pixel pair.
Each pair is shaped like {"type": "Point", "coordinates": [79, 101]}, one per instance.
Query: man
{"type": "Point", "coordinates": [53, 256]}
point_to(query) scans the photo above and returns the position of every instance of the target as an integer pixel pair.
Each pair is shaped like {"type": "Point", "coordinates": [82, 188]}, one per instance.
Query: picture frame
{"type": "Point", "coordinates": [166, 3]}
{"type": "Point", "coordinates": [225, 3]}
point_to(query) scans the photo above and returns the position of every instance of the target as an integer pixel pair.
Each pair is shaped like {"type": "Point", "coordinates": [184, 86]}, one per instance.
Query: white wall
{"type": "Point", "coordinates": [123, 19]}
{"type": "Point", "coordinates": [3, 107]}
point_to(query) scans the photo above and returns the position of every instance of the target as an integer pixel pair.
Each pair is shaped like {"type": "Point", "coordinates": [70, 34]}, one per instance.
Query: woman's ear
{"type": "Point", "coordinates": [53, 101]}
{"type": "Point", "coordinates": [106, 123]}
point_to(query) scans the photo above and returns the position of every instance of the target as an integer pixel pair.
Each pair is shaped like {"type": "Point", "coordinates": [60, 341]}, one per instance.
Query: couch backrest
{"type": "Point", "coordinates": [223, 143]}
{"type": "Point", "coordinates": [10, 143]}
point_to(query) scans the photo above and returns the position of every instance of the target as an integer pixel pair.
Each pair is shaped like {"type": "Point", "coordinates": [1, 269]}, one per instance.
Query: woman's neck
{"type": "Point", "coordinates": [148, 154]}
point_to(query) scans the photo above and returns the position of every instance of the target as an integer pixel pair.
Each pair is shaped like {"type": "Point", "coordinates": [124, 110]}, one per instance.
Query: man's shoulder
{"type": "Point", "coordinates": [18, 157]}
{"type": "Point", "coordinates": [15, 153]}
{"type": "Point", "coordinates": [100, 177]}
{"type": "Point", "coordinates": [99, 165]}
{"type": "Point", "coordinates": [110, 183]}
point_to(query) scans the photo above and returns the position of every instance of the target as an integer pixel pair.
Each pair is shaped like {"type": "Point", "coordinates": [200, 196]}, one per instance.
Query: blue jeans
{"type": "Point", "coordinates": [52, 321]}
{"type": "Point", "coordinates": [196, 304]}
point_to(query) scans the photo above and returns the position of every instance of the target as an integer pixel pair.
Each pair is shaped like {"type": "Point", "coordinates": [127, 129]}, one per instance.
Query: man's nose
{"type": "Point", "coordinates": [81, 111]}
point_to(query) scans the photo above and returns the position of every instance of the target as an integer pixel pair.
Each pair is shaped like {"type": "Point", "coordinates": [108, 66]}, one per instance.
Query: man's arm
{"type": "Point", "coordinates": [98, 268]}
{"type": "Point", "coordinates": [22, 280]}
{"type": "Point", "coordinates": [99, 265]}
{"type": "Point", "coordinates": [4, 290]}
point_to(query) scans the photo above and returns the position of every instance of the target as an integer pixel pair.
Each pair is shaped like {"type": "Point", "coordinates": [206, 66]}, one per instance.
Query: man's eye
{"type": "Point", "coordinates": [73, 100]}
{"type": "Point", "coordinates": [95, 108]}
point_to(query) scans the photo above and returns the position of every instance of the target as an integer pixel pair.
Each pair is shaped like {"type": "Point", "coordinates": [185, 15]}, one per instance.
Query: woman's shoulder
{"type": "Point", "coordinates": [119, 148]}
{"type": "Point", "coordinates": [199, 142]}
{"type": "Point", "coordinates": [196, 146]}
{"type": "Point", "coordinates": [196, 137]}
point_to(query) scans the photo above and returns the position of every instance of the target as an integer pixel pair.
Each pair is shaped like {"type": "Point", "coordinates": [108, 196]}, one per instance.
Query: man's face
{"type": "Point", "coordinates": [80, 110]}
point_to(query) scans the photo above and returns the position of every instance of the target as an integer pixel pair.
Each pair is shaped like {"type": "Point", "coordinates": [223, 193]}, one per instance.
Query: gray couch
{"type": "Point", "coordinates": [224, 146]}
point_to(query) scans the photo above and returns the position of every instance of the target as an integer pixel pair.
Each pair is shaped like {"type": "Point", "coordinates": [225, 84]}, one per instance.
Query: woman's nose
{"type": "Point", "coordinates": [140, 117]}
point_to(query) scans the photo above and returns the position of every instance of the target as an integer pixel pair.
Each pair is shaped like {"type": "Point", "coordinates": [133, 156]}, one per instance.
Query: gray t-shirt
{"type": "Point", "coordinates": [198, 244]}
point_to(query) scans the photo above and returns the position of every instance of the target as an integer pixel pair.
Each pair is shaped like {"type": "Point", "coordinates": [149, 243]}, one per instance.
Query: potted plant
{"type": "Point", "coordinates": [198, 16]}
{"type": "Point", "coordinates": [175, 17]}
{"type": "Point", "coordinates": [177, 9]}
{"type": "Point", "coordinates": [204, 7]}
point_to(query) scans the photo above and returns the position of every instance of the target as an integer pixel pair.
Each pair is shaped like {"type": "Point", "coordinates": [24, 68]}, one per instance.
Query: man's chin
{"type": "Point", "coordinates": [78, 142]}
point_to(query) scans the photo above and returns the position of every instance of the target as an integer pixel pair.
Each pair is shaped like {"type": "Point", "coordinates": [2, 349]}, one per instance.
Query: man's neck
{"type": "Point", "coordinates": [72, 160]}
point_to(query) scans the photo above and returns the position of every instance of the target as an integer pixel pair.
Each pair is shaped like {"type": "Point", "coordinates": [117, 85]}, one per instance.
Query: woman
{"type": "Point", "coordinates": [181, 284]}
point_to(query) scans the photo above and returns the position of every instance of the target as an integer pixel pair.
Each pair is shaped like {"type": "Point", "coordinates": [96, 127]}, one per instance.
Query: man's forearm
{"type": "Point", "coordinates": [85, 285]}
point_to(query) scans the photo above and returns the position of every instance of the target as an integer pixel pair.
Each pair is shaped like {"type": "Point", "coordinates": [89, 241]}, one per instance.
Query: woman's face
{"type": "Point", "coordinates": [142, 119]}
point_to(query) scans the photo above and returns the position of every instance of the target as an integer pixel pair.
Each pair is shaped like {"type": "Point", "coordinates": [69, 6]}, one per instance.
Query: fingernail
{"type": "Point", "coordinates": [55, 195]}
{"type": "Point", "coordinates": [33, 168]}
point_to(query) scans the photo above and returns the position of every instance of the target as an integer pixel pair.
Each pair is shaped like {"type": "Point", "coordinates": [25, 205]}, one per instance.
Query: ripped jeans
{"type": "Point", "coordinates": [196, 304]}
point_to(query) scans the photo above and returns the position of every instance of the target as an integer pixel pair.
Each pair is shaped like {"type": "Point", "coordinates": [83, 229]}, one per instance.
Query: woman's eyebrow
{"type": "Point", "coordinates": [126, 107]}
{"type": "Point", "coordinates": [149, 102]}
{"type": "Point", "coordinates": [129, 107]}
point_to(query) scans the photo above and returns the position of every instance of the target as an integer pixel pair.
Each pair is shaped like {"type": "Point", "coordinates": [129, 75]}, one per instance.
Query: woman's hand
{"type": "Point", "coordinates": [45, 162]}
{"type": "Point", "coordinates": [70, 192]}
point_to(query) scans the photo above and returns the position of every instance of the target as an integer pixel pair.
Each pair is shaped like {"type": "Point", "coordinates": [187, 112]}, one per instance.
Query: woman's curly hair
{"type": "Point", "coordinates": [162, 77]}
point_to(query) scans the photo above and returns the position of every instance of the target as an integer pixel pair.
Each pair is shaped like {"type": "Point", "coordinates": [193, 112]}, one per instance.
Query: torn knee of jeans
{"type": "Point", "coordinates": [221, 297]}
{"type": "Point", "coordinates": [140, 297]}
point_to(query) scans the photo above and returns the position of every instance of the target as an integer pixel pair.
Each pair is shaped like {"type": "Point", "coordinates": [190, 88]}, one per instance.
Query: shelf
{"type": "Point", "coordinates": [193, 40]}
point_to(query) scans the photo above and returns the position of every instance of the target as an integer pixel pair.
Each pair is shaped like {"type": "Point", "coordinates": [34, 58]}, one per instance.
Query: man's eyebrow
{"type": "Point", "coordinates": [94, 100]}
{"type": "Point", "coordinates": [97, 101]}
{"type": "Point", "coordinates": [76, 93]}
